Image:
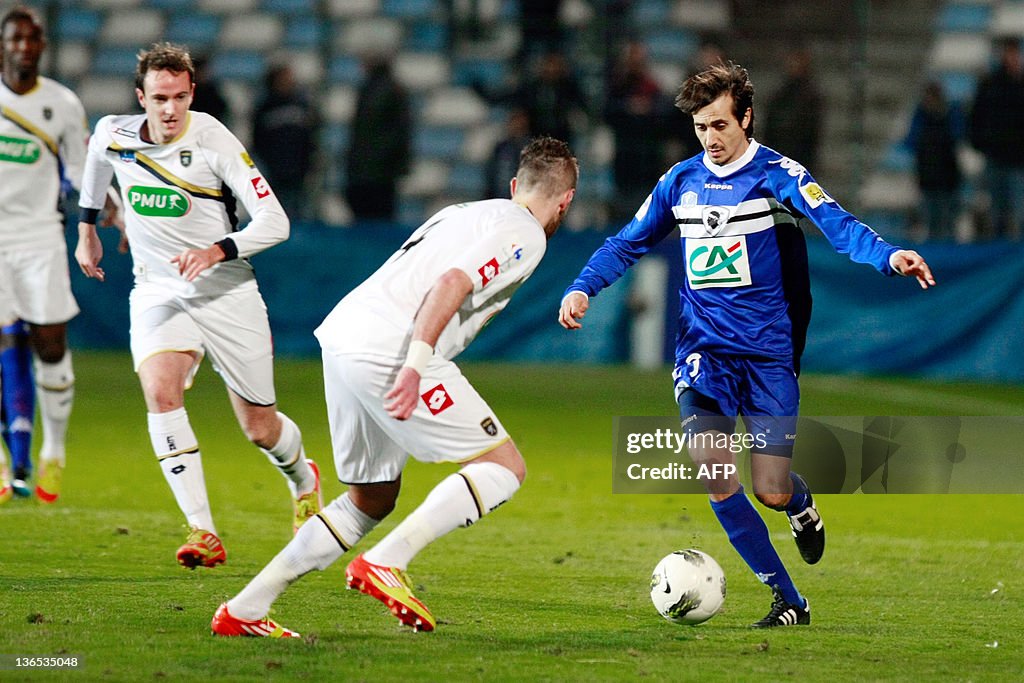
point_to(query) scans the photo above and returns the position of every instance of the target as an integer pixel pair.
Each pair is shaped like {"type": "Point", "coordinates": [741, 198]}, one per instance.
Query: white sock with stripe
{"type": "Point", "coordinates": [289, 458]}
{"type": "Point", "coordinates": [55, 387]}
{"type": "Point", "coordinates": [177, 450]}
{"type": "Point", "coordinates": [459, 500]}
{"type": "Point", "coordinates": [317, 545]}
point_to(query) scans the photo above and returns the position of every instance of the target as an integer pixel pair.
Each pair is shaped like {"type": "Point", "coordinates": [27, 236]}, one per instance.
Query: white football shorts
{"type": "Point", "coordinates": [232, 329]}
{"type": "Point", "coordinates": [35, 286]}
{"type": "Point", "coordinates": [451, 422]}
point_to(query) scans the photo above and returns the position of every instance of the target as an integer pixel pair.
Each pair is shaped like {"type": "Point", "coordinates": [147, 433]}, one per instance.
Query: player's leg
{"type": "Point", "coordinates": [236, 337]}
{"type": "Point", "coordinates": [55, 383]}
{"type": "Point", "coordinates": [281, 441]}
{"type": "Point", "coordinates": [18, 404]}
{"type": "Point", "coordinates": [164, 377]}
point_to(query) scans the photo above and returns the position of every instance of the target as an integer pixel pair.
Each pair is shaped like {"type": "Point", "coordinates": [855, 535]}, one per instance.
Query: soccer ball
{"type": "Point", "coordinates": [688, 587]}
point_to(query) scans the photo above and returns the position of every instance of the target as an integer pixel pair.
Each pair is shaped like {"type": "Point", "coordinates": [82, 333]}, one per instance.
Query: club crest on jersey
{"type": "Point", "coordinates": [437, 399]}
{"type": "Point", "coordinates": [186, 157]}
{"type": "Point", "coordinates": [714, 219]}
{"type": "Point", "coordinates": [47, 113]}
{"type": "Point", "coordinates": [688, 199]}
{"type": "Point", "coordinates": [489, 426]}
{"type": "Point", "coordinates": [488, 271]}
{"type": "Point", "coordinates": [261, 187]}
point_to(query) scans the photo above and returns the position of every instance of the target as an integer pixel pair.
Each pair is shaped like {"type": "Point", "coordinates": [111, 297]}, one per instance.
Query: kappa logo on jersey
{"type": "Point", "coordinates": [123, 131]}
{"type": "Point", "coordinates": [714, 219]}
{"type": "Point", "coordinates": [164, 202]}
{"type": "Point", "coordinates": [717, 262]}
{"type": "Point", "coordinates": [262, 189]}
{"type": "Point", "coordinates": [19, 150]}
{"type": "Point", "coordinates": [488, 271]}
{"type": "Point", "coordinates": [186, 157]}
{"type": "Point", "coordinates": [437, 400]}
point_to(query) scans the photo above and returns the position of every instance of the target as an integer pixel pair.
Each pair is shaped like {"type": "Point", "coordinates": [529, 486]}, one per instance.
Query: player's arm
{"type": "Point", "coordinates": [95, 183]}
{"type": "Point", "coordinates": [437, 310]}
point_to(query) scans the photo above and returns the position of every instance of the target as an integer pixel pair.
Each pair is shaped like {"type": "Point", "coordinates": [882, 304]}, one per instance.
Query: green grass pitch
{"type": "Point", "coordinates": [553, 586]}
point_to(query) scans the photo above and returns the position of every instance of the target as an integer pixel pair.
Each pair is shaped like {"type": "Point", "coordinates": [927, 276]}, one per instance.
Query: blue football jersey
{"type": "Point", "coordinates": [747, 288]}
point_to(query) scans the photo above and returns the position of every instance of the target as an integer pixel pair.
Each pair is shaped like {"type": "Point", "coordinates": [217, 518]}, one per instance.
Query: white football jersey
{"type": "Point", "coordinates": [183, 195]}
{"type": "Point", "coordinates": [497, 243]}
{"type": "Point", "coordinates": [42, 142]}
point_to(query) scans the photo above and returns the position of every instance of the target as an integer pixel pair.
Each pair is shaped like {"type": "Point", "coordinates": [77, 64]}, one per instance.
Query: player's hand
{"type": "Point", "coordinates": [908, 262]}
{"type": "Point", "coordinates": [89, 251]}
{"type": "Point", "coordinates": [401, 400]}
{"type": "Point", "coordinates": [574, 307]}
{"type": "Point", "coordinates": [192, 262]}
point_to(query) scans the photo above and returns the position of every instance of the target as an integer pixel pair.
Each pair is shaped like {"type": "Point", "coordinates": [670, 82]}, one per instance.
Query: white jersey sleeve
{"type": "Point", "coordinates": [98, 171]}
{"type": "Point", "coordinates": [72, 140]}
{"type": "Point", "coordinates": [229, 160]}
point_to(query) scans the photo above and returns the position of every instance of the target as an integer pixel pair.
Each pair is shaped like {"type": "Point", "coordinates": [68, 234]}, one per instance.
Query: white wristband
{"type": "Point", "coordinates": [418, 356]}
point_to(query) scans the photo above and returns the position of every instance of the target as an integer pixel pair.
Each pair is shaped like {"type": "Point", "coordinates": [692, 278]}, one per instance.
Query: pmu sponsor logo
{"type": "Point", "coordinates": [717, 262]}
{"type": "Point", "coordinates": [164, 202]}
{"type": "Point", "coordinates": [437, 399]}
{"type": "Point", "coordinates": [18, 150]}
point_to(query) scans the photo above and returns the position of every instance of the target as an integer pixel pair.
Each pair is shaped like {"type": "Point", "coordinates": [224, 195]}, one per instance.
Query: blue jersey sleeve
{"type": "Point", "coordinates": [794, 187]}
{"type": "Point", "coordinates": [652, 223]}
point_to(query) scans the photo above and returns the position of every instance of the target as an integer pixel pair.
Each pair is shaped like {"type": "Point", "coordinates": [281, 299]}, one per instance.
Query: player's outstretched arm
{"type": "Point", "coordinates": [440, 304]}
{"type": "Point", "coordinates": [574, 307]}
{"type": "Point", "coordinates": [909, 262]}
{"type": "Point", "coordinates": [89, 251]}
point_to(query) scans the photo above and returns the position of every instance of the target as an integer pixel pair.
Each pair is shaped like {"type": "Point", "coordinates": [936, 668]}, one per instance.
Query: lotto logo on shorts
{"type": "Point", "coordinates": [437, 400]}
{"type": "Point", "coordinates": [261, 187]}
{"type": "Point", "coordinates": [488, 271]}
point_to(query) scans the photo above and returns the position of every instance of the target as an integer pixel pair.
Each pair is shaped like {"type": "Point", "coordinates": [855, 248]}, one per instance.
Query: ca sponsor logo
{"type": "Point", "coordinates": [717, 262]}
{"type": "Point", "coordinates": [437, 399]}
{"type": "Point", "coordinates": [18, 150]}
{"type": "Point", "coordinates": [164, 202]}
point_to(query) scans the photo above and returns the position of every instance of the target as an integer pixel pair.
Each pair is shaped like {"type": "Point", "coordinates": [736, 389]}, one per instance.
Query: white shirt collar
{"type": "Point", "coordinates": [735, 165]}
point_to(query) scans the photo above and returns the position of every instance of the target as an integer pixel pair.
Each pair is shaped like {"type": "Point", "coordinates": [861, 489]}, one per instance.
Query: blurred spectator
{"type": "Point", "coordinates": [284, 139]}
{"type": "Point", "coordinates": [794, 118]}
{"type": "Point", "coordinates": [936, 129]}
{"type": "Point", "coordinates": [996, 129]}
{"type": "Point", "coordinates": [380, 150]}
{"type": "Point", "coordinates": [208, 97]}
{"type": "Point", "coordinates": [552, 98]}
{"type": "Point", "coordinates": [639, 115]}
{"type": "Point", "coordinates": [504, 161]}
{"type": "Point", "coordinates": [540, 30]}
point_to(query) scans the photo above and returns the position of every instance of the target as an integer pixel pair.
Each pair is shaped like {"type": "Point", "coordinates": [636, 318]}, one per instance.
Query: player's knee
{"type": "Point", "coordinates": [262, 432]}
{"type": "Point", "coordinates": [160, 398]}
{"type": "Point", "coordinates": [51, 351]}
{"type": "Point", "coordinates": [775, 501]}
{"type": "Point", "coordinates": [375, 500]}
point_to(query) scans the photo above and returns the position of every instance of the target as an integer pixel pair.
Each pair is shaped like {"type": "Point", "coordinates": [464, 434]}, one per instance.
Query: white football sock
{"type": "Point", "coordinates": [55, 387]}
{"type": "Point", "coordinates": [289, 458]}
{"type": "Point", "coordinates": [177, 450]}
{"type": "Point", "coordinates": [318, 543]}
{"type": "Point", "coordinates": [459, 500]}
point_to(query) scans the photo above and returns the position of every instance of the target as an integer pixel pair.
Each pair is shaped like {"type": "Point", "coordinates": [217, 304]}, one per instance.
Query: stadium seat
{"type": "Point", "coordinates": [427, 36]}
{"type": "Point", "coordinates": [78, 24]}
{"type": "Point", "coordinates": [170, 5]}
{"type": "Point", "coordinates": [480, 141]}
{"type": "Point", "coordinates": [304, 31]}
{"type": "Point", "coordinates": [466, 181]}
{"type": "Point", "coordinates": [492, 73]}
{"type": "Point", "coordinates": [897, 159]}
{"type": "Point", "coordinates": [702, 15]}
{"type": "Point", "coordinates": [958, 85]}
{"type": "Point", "coordinates": [290, 7]}
{"type": "Point", "coordinates": [960, 52]}
{"type": "Point", "coordinates": [115, 61]}
{"type": "Point", "coordinates": [427, 178]}
{"type": "Point", "coordinates": [1008, 19]}
{"type": "Point", "coordinates": [226, 6]}
{"type": "Point", "coordinates": [964, 18]}
{"type": "Point", "coordinates": [441, 142]}
{"type": "Point", "coordinates": [671, 44]}
{"type": "Point", "coordinates": [256, 31]}
{"type": "Point", "coordinates": [376, 34]}
{"type": "Point", "coordinates": [412, 10]}
{"type": "Point", "coordinates": [345, 69]}
{"type": "Point", "coordinates": [195, 29]}
{"type": "Point", "coordinates": [335, 139]}
{"type": "Point", "coordinates": [422, 70]}
{"type": "Point", "coordinates": [348, 9]}
{"type": "Point", "coordinates": [140, 27]}
{"type": "Point", "coordinates": [102, 95]}
{"type": "Point", "coordinates": [340, 104]}
{"type": "Point", "coordinates": [411, 211]}
{"type": "Point", "coordinates": [111, 4]}
{"type": "Point", "coordinates": [239, 65]}
{"type": "Point", "coordinates": [72, 59]}
{"type": "Point", "coordinates": [651, 13]}
{"type": "Point", "coordinates": [307, 65]}
{"type": "Point", "coordinates": [454, 107]}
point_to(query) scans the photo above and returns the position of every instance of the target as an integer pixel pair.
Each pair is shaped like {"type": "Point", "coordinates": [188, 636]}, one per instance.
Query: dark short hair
{"type": "Point", "coordinates": [548, 164]}
{"type": "Point", "coordinates": [703, 88]}
{"type": "Point", "coordinates": [22, 13]}
{"type": "Point", "coordinates": [164, 57]}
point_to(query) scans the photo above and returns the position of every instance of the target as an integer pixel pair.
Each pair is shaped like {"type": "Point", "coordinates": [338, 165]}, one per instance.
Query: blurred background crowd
{"type": "Point", "coordinates": [384, 110]}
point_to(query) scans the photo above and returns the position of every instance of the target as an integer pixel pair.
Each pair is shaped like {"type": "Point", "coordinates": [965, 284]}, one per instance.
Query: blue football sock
{"type": "Point", "coordinates": [749, 535]}
{"type": "Point", "coordinates": [801, 496]}
{"type": "Point", "coordinates": [18, 401]}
